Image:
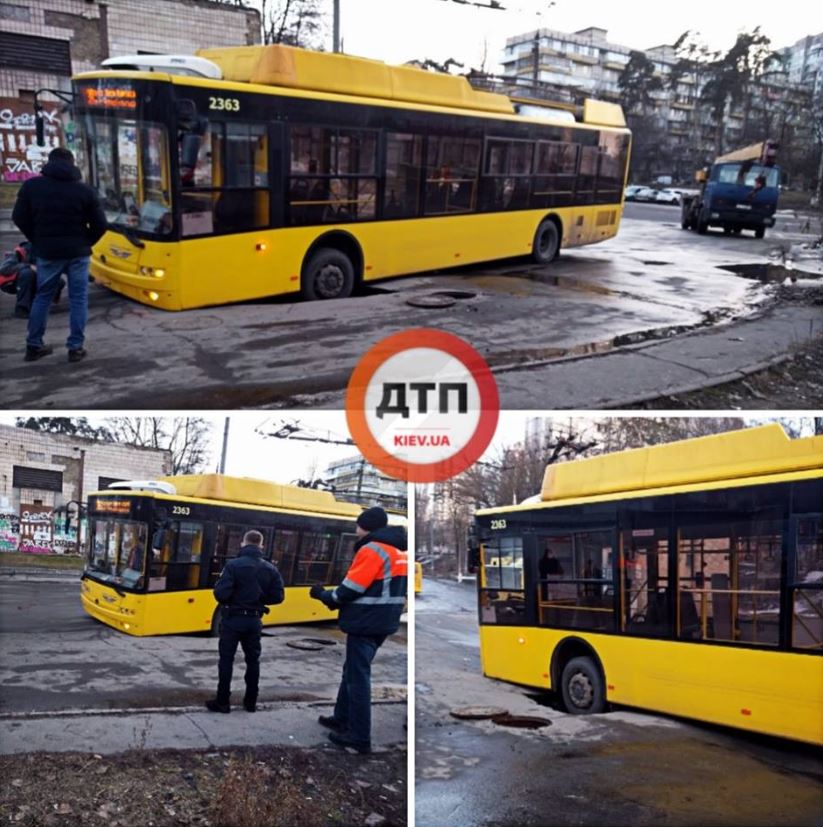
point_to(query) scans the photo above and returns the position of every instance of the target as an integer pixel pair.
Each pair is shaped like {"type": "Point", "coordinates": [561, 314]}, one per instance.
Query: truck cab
{"type": "Point", "coordinates": [739, 193]}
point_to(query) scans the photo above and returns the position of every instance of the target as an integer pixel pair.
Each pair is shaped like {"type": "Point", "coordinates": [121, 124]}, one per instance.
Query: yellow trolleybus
{"type": "Point", "coordinates": [156, 549]}
{"type": "Point", "coordinates": [262, 170]}
{"type": "Point", "coordinates": [684, 578]}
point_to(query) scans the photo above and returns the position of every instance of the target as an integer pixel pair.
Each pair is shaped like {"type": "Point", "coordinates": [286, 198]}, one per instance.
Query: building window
{"type": "Point", "coordinates": [37, 478]}
{"type": "Point", "coordinates": [37, 54]}
{"type": "Point", "coordinates": [35, 456]}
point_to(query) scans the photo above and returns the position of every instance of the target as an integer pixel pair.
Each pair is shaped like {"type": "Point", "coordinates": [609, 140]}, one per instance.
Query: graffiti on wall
{"type": "Point", "coordinates": [9, 531]}
{"type": "Point", "coordinates": [20, 156]}
{"type": "Point", "coordinates": [36, 534]}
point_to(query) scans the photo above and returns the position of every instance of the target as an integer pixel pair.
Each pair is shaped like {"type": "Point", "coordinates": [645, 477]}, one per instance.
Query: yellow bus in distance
{"type": "Point", "coordinates": [684, 578]}
{"type": "Point", "coordinates": [156, 548]}
{"type": "Point", "coordinates": [264, 170]}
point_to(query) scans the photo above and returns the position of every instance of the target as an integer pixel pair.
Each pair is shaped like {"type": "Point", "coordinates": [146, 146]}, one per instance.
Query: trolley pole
{"type": "Point", "coordinates": [225, 447]}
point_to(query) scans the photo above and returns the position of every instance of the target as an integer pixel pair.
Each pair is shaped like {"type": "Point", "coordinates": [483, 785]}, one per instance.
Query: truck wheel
{"type": "Point", "coordinates": [760, 232]}
{"type": "Point", "coordinates": [702, 225]}
{"type": "Point", "coordinates": [546, 242]}
{"type": "Point", "coordinates": [328, 274]}
{"type": "Point", "coordinates": [582, 687]}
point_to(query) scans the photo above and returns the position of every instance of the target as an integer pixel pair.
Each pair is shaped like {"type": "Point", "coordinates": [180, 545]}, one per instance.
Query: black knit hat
{"type": "Point", "coordinates": [373, 518]}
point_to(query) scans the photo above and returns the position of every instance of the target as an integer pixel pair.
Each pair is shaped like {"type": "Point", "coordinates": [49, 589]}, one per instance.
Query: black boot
{"type": "Point", "coordinates": [216, 706]}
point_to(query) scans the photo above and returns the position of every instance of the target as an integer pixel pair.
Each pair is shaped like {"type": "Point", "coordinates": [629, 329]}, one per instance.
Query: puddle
{"type": "Point", "coordinates": [768, 273]}
{"type": "Point", "coordinates": [521, 721]}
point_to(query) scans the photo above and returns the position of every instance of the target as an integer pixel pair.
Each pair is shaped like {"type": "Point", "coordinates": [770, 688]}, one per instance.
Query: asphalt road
{"type": "Point", "coordinates": [55, 657]}
{"type": "Point", "coordinates": [653, 282]}
{"type": "Point", "coordinates": [622, 767]}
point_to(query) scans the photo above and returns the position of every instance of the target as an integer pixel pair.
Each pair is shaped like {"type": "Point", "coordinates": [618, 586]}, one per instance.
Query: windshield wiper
{"type": "Point", "coordinates": [130, 235]}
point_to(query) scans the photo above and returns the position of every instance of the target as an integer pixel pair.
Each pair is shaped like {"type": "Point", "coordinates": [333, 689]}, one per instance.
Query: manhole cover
{"type": "Point", "coordinates": [657, 263]}
{"type": "Point", "coordinates": [304, 644]}
{"type": "Point", "coordinates": [442, 298]}
{"type": "Point", "coordinates": [521, 721]}
{"type": "Point", "coordinates": [320, 641]}
{"type": "Point", "coordinates": [477, 713]}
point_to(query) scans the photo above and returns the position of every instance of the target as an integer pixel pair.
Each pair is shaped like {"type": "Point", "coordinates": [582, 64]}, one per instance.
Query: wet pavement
{"type": "Point", "coordinates": [622, 767]}
{"type": "Point", "coordinates": [68, 682]}
{"type": "Point", "coordinates": [652, 285]}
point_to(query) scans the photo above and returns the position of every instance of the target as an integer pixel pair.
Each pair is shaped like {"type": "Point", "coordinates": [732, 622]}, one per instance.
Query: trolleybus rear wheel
{"type": "Point", "coordinates": [582, 687]}
{"type": "Point", "coordinates": [328, 274]}
{"type": "Point", "coordinates": [546, 242]}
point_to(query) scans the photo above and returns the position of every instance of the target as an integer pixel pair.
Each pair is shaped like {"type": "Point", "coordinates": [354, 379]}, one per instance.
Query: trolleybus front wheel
{"type": "Point", "coordinates": [582, 687]}
{"type": "Point", "coordinates": [546, 242]}
{"type": "Point", "coordinates": [328, 274]}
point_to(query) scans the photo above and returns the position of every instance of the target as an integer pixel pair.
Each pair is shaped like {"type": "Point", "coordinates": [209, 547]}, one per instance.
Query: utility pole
{"type": "Point", "coordinates": [225, 447]}
{"type": "Point", "coordinates": [336, 28]}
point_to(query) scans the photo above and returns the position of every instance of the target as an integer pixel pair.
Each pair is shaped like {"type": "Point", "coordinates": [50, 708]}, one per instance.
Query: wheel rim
{"type": "Point", "coordinates": [329, 281]}
{"type": "Point", "coordinates": [581, 691]}
{"type": "Point", "coordinates": [545, 242]}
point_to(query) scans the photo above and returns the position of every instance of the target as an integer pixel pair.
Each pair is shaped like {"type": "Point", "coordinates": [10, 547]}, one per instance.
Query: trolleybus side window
{"type": "Point", "coordinates": [807, 592]}
{"type": "Point", "coordinates": [404, 169]}
{"type": "Point", "coordinates": [644, 590]}
{"type": "Point", "coordinates": [333, 175]}
{"type": "Point", "coordinates": [452, 166]}
{"type": "Point", "coordinates": [729, 587]}
{"type": "Point", "coordinates": [176, 561]}
{"type": "Point", "coordinates": [228, 544]}
{"type": "Point", "coordinates": [502, 600]}
{"type": "Point", "coordinates": [586, 180]}
{"type": "Point", "coordinates": [284, 553]}
{"type": "Point", "coordinates": [316, 558]}
{"type": "Point", "coordinates": [345, 554]}
{"type": "Point", "coordinates": [575, 589]}
{"type": "Point", "coordinates": [507, 179]}
{"type": "Point", "coordinates": [613, 149]}
{"type": "Point", "coordinates": [227, 189]}
{"type": "Point", "coordinates": [555, 172]}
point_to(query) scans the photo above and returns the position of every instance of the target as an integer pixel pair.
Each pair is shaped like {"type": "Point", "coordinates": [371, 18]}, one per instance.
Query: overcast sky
{"type": "Point", "coordinates": [399, 30]}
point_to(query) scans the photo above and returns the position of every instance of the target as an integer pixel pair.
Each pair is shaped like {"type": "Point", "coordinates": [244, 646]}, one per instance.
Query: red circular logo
{"type": "Point", "coordinates": [422, 405]}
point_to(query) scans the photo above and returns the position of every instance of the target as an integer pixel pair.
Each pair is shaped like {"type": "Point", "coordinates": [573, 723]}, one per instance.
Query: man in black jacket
{"type": "Point", "coordinates": [63, 219]}
{"type": "Point", "coordinates": [247, 584]}
{"type": "Point", "coordinates": [371, 599]}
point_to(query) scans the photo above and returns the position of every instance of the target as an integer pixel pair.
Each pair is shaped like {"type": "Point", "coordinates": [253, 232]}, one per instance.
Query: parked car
{"type": "Point", "coordinates": [629, 192]}
{"type": "Point", "coordinates": [668, 196]}
{"type": "Point", "coordinates": [645, 194]}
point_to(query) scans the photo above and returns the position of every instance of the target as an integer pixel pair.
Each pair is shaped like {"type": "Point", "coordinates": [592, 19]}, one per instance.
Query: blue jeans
{"type": "Point", "coordinates": [48, 280]}
{"type": "Point", "coordinates": [246, 631]}
{"type": "Point", "coordinates": [353, 707]}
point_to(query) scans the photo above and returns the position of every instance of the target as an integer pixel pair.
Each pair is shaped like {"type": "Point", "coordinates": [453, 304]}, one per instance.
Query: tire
{"type": "Point", "coordinates": [546, 244]}
{"type": "Point", "coordinates": [327, 274]}
{"type": "Point", "coordinates": [760, 232]}
{"type": "Point", "coordinates": [582, 687]}
{"type": "Point", "coordinates": [702, 225]}
{"type": "Point", "coordinates": [216, 623]}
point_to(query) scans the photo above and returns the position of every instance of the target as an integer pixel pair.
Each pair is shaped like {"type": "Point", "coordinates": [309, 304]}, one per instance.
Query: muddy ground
{"type": "Point", "coordinates": [248, 787]}
{"type": "Point", "coordinates": [799, 377]}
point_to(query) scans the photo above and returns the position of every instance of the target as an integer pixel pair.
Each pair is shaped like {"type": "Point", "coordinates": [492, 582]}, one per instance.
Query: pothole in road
{"type": "Point", "coordinates": [440, 298]}
{"type": "Point", "coordinates": [521, 721]}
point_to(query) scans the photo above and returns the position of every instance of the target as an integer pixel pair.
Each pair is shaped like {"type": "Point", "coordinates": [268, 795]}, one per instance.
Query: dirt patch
{"type": "Point", "coordinates": [794, 384]}
{"type": "Point", "coordinates": [241, 787]}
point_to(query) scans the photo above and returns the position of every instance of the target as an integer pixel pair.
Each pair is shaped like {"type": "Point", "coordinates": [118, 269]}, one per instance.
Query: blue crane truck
{"type": "Point", "coordinates": [739, 192]}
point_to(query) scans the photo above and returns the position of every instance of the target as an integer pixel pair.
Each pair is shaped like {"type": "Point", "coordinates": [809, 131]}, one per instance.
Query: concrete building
{"type": "Point", "coordinates": [357, 481]}
{"type": "Point", "coordinates": [44, 42]}
{"type": "Point", "coordinates": [41, 474]}
{"type": "Point", "coordinates": [572, 66]}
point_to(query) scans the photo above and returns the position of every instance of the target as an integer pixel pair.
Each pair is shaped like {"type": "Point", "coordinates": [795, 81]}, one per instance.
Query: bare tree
{"type": "Point", "coordinates": [186, 438]}
{"type": "Point", "coordinates": [294, 23]}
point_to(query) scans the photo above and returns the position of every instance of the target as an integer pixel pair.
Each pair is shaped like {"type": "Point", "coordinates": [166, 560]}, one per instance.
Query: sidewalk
{"type": "Point", "coordinates": [104, 732]}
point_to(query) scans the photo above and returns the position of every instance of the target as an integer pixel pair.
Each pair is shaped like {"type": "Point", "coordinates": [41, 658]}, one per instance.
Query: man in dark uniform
{"type": "Point", "coordinates": [247, 585]}
{"type": "Point", "coordinates": [371, 599]}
